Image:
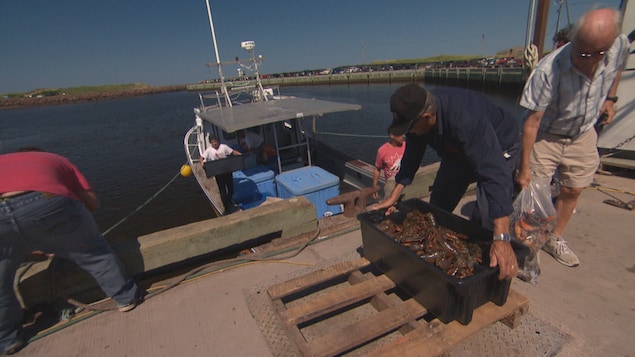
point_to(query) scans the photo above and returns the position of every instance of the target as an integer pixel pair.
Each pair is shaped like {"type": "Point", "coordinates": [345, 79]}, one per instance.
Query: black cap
{"type": "Point", "coordinates": [406, 104]}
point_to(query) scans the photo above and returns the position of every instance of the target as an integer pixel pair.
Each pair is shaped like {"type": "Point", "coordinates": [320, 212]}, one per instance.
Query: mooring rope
{"type": "Point", "coordinates": [142, 205]}
{"type": "Point", "coordinates": [531, 56]}
{"type": "Point", "coordinates": [280, 256]}
{"type": "Point", "coordinates": [350, 135]}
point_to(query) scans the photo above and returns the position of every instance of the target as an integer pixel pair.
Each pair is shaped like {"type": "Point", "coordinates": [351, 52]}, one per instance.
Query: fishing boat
{"type": "Point", "coordinates": [227, 308]}
{"type": "Point", "coordinates": [286, 124]}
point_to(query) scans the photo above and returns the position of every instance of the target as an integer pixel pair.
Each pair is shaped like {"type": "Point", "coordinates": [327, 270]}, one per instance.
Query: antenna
{"type": "Point", "coordinates": [249, 47]}
{"type": "Point", "coordinates": [220, 69]}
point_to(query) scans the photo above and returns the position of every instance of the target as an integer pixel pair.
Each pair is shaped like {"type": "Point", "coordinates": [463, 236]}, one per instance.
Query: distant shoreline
{"type": "Point", "coordinates": [15, 103]}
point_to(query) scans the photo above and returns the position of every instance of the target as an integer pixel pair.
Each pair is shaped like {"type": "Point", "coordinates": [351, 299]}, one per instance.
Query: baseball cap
{"type": "Point", "coordinates": [406, 104]}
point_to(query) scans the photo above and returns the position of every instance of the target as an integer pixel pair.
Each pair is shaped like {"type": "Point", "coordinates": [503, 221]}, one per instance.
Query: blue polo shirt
{"type": "Point", "coordinates": [469, 127]}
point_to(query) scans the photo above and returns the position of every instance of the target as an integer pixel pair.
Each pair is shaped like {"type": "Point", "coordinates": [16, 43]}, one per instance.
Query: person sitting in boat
{"type": "Point", "coordinates": [388, 160]}
{"type": "Point", "coordinates": [250, 141]}
{"type": "Point", "coordinates": [225, 181]}
{"type": "Point", "coordinates": [477, 141]}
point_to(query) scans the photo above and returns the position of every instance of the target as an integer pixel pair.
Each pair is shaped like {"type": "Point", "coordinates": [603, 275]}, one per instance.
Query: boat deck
{"type": "Point", "coordinates": [582, 311]}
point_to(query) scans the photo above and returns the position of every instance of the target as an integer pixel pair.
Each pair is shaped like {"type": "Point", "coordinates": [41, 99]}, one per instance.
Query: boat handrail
{"type": "Point", "coordinates": [215, 95]}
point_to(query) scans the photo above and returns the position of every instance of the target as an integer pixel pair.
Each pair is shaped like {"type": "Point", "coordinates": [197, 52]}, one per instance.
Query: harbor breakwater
{"type": "Point", "coordinates": [478, 78]}
{"type": "Point", "coordinates": [461, 76]}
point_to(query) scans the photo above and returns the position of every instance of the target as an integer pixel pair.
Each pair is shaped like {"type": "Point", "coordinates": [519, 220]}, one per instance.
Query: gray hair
{"type": "Point", "coordinates": [431, 104]}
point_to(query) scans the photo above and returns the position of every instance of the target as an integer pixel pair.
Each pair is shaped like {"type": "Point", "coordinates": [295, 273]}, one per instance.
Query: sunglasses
{"type": "Point", "coordinates": [589, 55]}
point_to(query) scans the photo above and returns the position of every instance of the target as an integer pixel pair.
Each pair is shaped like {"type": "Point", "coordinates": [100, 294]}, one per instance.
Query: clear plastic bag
{"type": "Point", "coordinates": [533, 218]}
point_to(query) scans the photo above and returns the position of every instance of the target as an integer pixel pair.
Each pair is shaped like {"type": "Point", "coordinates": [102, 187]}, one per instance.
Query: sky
{"type": "Point", "coordinates": [71, 43]}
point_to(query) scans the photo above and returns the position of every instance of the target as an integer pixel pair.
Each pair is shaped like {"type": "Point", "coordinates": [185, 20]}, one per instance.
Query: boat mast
{"type": "Point", "coordinates": [220, 69]}
{"type": "Point", "coordinates": [540, 29]}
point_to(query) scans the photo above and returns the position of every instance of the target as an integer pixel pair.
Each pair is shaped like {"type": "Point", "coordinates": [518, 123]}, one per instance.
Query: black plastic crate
{"type": "Point", "coordinates": [447, 297]}
{"type": "Point", "coordinates": [222, 166]}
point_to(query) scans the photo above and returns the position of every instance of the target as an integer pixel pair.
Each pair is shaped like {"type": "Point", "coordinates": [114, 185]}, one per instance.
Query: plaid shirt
{"type": "Point", "coordinates": [570, 101]}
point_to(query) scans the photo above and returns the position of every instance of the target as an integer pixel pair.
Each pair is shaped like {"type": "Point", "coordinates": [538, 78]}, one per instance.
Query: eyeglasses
{"type": "Point", "coordinates": [589, 55]}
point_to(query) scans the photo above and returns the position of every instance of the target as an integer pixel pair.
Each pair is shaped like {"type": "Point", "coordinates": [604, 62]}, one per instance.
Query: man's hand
{"type": "Point", "coordinates": [530, 132]}
{"type": "Point", "coordinates": [502, 255]}
{"type": "Point", "coordinates": [523, 177]}
{"type": "Point", "coordinates": [608, 108]}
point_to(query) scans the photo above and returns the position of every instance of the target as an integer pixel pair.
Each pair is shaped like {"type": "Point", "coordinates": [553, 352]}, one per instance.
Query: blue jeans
{"type": "Point", "coordinates": [61, 226]}
{"type": "Point", "coordinates": [456, 174]}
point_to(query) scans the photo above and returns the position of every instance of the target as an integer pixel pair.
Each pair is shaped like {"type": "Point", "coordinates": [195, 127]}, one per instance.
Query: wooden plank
{"type": "Point", "coordinates": [513, 320]}
{"type": "Point", "coordinates": [421, 342]}
{"type": "Point", "coordinates": [295, 285]}
{"type": "Point", "coordinates": [334, 301]}
{"type": "Point", "coordinates": [365, 330]}
{"type": "Point", "coordinates": [293, 332]}
{"type": "Point", "coordinates": [382, 301]}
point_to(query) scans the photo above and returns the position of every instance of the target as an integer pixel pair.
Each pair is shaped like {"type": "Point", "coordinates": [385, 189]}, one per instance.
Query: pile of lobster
{"type": "Point", "coordinates": [448, 250]}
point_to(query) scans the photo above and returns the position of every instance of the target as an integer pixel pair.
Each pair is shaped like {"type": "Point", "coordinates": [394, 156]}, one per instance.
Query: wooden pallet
{"type": "Point", "coordinates": [325, 313]}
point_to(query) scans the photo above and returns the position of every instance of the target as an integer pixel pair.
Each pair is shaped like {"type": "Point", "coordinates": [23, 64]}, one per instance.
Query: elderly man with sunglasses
{"type": "Point", "coordinates": [565, 95]}
{"type": "Point", "coordinates": [477, 142]}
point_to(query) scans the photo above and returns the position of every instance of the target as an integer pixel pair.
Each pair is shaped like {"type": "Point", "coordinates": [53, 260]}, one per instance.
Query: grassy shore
{"type": "Point", "coordinates": [54, 96]}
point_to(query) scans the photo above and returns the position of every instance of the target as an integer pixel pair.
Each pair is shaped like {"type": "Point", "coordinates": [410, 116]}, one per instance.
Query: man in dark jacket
{"type": "Point", "coordinates": [477, 142]}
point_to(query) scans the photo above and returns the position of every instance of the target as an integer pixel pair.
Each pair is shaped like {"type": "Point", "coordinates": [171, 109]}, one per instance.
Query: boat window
{"type": "Point", "coordinates": [229, 136]}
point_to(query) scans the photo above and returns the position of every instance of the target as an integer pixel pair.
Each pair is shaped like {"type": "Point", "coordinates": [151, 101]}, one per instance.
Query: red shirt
{"type": "Point", "coordinates": [389, 159]}
{"type": "Point", "coordinates": [41, 171]}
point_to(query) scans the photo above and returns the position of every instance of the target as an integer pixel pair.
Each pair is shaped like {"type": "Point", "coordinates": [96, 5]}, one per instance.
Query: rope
{"type": "Point", "coordinates": [192, 273]}
{"type": "Point", "coordinates": [531, 56]}
{"type": "Point", "coordinates": [143, 205]}
{"type": "Point", "coordinates": [350, 135]}
{"type": "Point", "coordinates": [604, 189]}
{"type": "Point", "coordinates": [53, 264]}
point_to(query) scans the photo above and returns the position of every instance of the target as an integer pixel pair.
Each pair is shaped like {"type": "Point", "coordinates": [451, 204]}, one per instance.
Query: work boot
{"type": "Point", "coordinates": [559, 249]}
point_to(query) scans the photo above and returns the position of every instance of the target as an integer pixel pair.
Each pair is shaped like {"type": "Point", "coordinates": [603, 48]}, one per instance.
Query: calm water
{"type": "Point", "coordinates": [131, 148]}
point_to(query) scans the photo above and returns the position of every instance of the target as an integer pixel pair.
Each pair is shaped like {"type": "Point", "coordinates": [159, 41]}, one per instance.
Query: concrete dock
{"type": "Point", "coordinates": [584, 311]}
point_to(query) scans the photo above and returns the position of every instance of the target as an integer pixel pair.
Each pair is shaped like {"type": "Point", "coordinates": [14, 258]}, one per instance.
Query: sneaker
{"type": "Point", "coordinates": [559, 249]}
{"type": "Point", "coordinates": [15, 347]}
{"type": "Point", "coordinates": [127, 307]}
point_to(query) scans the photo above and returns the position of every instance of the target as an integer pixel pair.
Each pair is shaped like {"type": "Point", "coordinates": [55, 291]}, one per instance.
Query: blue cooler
{"type": "Point", "coordinates": [263, 177]}
{"type": "Point", "coordinates": [314, 183]}
{"type": "Point", "coordinates": [246, 194]}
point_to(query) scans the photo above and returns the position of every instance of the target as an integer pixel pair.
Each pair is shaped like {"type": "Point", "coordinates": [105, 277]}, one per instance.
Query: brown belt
{"type": "Point", "coordinates": [14, 194]}
{"type": "Point", "coordinates": [9, 195]}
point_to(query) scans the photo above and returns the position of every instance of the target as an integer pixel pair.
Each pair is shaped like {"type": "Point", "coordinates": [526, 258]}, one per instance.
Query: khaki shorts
{"type": "Point", "coordinates": [575, 160]}
{"type": "Point", "coordinates": [390, 185]}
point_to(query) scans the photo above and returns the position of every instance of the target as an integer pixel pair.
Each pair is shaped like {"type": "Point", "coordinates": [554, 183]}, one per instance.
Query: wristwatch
{"type": "Point", "coordinates": [505, 237]}
{"type": "Point", "coordinates": [612, 99]}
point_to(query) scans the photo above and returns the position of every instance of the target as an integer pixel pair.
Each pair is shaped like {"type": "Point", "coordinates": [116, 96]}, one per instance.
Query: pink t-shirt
{"type": "Point", "coordinates": [41, 171]}
{"type": "Point", "coordinates": [389, 159]}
